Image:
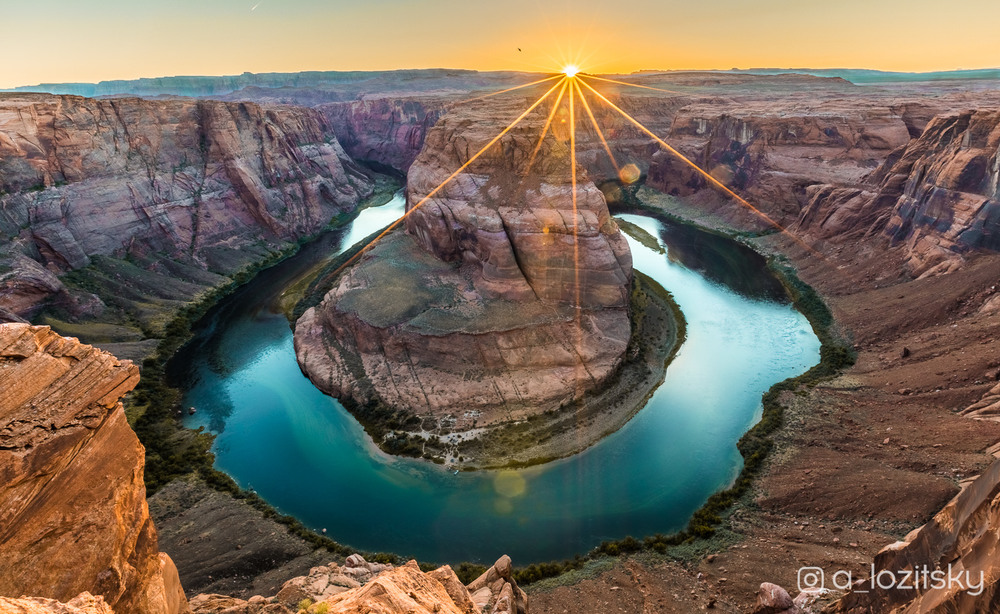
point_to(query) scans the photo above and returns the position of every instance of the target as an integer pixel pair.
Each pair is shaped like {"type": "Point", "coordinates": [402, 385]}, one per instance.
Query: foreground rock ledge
{"type": "Point", "coordinates": [500, 301]}
{"type": "Point", "coordinates": [73, 514]}
{"type": "Point", "coordinates": [360, 586]}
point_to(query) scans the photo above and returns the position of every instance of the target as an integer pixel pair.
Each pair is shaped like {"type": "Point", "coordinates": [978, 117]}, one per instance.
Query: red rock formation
{"type": "Point", "coordinates": [403, 589]}
{"type": "Point", "coordinates": [360, 586]}
{"type": "Point", "coordinates": [770, 152]}
{"type": "Point", "coordinates": [498, 300]}
{"type": "Point", "coordinates": [84, 603]}
{"type": "Point", "coordinates": [938, 196]}
{"type": "Point", "coordinates": [495, 591]}
{"type": "Point", "coordinates": [188, 180]}
{"type": "Point", "coordinates": [73, 513]}
{"type": "Point", "coordinates": [389, 131]}
{"type": "Point", "coordinates": [965, 535]}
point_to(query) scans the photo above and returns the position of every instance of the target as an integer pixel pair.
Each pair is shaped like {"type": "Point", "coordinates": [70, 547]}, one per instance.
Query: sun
{"type": "Point", "coordinates": [571, 70]}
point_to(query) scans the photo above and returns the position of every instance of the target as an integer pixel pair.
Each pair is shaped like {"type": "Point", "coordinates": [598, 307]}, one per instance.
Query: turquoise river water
{"type": "Point", "coordinates": [303, 453]}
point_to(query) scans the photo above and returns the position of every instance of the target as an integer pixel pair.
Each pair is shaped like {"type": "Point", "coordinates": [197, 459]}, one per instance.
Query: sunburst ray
{"type": "Point", "coordinates": [597, 127]}
{"type": "Point", "coordinates": [511, 89]}
{"type": "Point", "coordinates": [712, 180]}
{"type": "Point", "coordinates": [548, 124]}
{"type": "Point", "coordinates": [437, 189]}
{"type": "Point", "coordinates": [645, 87]}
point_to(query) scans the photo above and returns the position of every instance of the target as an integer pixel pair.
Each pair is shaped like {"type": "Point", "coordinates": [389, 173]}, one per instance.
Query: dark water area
{"type": "Point", "coordinates": [303, 453]}
{"type": "Point", "coordinates": [721, 260]}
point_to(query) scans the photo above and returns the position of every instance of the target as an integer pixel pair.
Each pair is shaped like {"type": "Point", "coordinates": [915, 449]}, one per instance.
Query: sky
{"type": "Point", "coordinates": [56, 41]}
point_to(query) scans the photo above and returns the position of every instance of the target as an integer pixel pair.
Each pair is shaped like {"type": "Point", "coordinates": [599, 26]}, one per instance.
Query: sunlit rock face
{"type": "Point", "coordinates": [499, 300]}
{"type": "Point", "coordinates": [938, 196]}
{"type": "Point", "coordinates": [389, 131]}
{"type": "Point", "coordinates": [960, 539]}
{"type": "Point", "coordinates": [518, 233]}
{"type": "Point", "coordinates": [73, 513]}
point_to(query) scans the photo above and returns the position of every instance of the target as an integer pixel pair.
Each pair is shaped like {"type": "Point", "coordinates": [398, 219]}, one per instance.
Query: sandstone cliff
{"type": "Point", "coordinates": [389, 131]}
{"type": "Point", "coordinates": [73, 514]}
{"type": "Point", "coordinates": [771, 152]}
{"type": "Point", "coordinates": [939, 196]}
{"type": "Point", "coordinates": [84, 603]}
{"type": "Point", "coordinates": [499, 302]}
{"type": "Point", "coordinates": [209, 184]}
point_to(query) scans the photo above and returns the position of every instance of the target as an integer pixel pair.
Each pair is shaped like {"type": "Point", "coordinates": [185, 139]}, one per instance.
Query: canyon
{"type": "Point", "coordinates": [895, 187]}
{"type": "Point", "coordinates": [150, 204]}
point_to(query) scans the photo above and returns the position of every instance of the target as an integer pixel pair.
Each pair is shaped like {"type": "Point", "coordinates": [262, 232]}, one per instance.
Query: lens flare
{"type": "Point", "coordinates": [629, 173]}
{"type": "Point", "coordinates": [571, 70]}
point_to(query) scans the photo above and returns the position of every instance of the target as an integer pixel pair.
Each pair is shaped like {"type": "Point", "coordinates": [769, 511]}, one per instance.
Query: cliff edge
{"type": "Point", "coordinates": [73, 514]}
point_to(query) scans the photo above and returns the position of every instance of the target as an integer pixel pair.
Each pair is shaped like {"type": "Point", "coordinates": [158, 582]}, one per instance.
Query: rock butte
{"type": "Point", "coordinates": [479, 312]}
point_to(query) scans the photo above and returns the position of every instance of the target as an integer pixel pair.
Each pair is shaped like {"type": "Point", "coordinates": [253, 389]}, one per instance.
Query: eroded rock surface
{"type": "Point", "coordinates": [360, 586]}
{"type": "Point", "coordinates": [770, 152]}
{"type": "Point", "coordinates": [207, 183]}
{"type": "Point", "coordinates": [73, 514]}
{"type": "Point", "coordinates": [329, 580]}
{"type": "Point", "coordinates": [962, 538]}
{"type": "Point", "coordinates": [389, 131]}
{"type": "Point", "coordinates": [84, 603]}
{"type": "Point", "coordinates": [938, 196]}
{"type": "Point", "coordinates": [501, 300]}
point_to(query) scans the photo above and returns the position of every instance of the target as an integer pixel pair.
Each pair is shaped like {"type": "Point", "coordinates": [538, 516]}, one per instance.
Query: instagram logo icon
{"type": "Point", "coordinates": [811, 578]}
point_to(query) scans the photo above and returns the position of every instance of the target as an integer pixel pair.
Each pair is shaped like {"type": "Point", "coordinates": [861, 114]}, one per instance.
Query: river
{"type": "Point", "coordinates": [303, 453]}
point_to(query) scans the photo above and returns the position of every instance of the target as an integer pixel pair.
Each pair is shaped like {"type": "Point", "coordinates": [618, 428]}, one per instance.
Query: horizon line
{"type": "Point", "coordinates": [637, 72]}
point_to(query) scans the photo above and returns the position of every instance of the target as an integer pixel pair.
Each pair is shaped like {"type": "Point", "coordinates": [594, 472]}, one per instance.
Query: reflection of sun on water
{"type": "Point", "coordinates": [508, 485]}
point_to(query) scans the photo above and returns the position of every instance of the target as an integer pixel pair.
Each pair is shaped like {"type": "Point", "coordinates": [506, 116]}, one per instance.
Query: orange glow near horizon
{"type": "Point", "coordinates": [120, 39]}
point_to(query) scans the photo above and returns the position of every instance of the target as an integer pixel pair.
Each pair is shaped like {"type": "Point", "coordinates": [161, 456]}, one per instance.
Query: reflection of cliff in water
{"type": "Point", "coordinates": [723, 261]}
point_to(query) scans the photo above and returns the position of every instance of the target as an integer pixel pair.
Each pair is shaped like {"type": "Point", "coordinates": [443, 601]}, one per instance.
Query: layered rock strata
{"type": "Point", "coordinates": [939, 196]}
{"type": "Point", "coordinates": [390, 131]}
{"type": "Point", "coordinates": [771, 152]}
{"type": "Point", "coordinates": [73, 514]}
{"type": "Point", "coordinates": [84, 603]}
{"type": "Point", "coordinates": [207, 183]}
{"type": "Point", "coordinates": [505, 296]}
{"type": "Point", "coordinates": [961, 539]}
